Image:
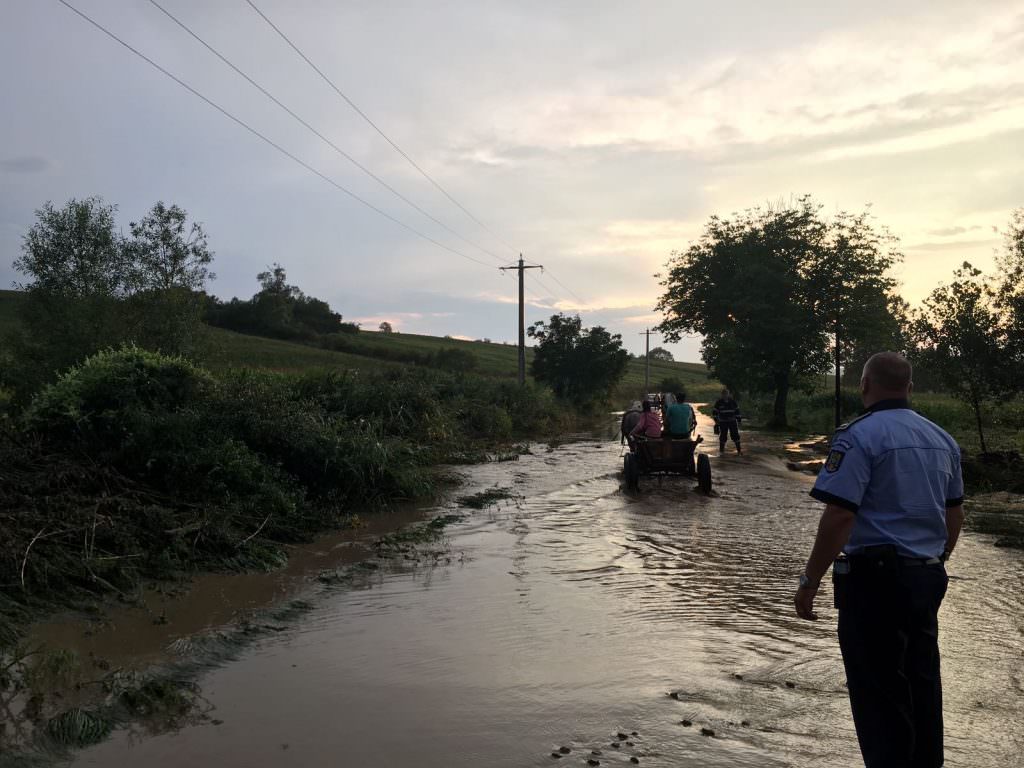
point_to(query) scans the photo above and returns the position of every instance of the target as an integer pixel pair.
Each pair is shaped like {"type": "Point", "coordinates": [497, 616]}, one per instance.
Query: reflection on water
{"type": "Point", "coordinates": [583, 612]}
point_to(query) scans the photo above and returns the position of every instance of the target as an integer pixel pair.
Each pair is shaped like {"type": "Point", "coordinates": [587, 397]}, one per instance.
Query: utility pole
{"type": "Point", "coordinates": [520, 267]}
{"type": "Point", "coordinates": [647, 361]}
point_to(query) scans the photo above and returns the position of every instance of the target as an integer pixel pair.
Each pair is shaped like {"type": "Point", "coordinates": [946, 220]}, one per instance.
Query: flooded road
{"type": "Point", "coordinates": [569, 617]}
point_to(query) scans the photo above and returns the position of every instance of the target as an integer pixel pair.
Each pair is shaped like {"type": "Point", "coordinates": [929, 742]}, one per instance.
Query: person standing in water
{"type": "Point", "coordinates": [893, 493]}
{"type": "Point", "coordinates": [726, 414]}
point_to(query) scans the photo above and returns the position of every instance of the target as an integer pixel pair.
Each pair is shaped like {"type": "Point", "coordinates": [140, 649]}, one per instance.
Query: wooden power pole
{"type": "Point", "coordinates": [520, 267]}
{"type": "Point", "coordinates": [647, 361]}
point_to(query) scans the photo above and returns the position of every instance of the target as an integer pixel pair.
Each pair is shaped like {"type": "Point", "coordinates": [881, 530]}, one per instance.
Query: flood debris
{"type": "Point", "coordinates": [488, 497]}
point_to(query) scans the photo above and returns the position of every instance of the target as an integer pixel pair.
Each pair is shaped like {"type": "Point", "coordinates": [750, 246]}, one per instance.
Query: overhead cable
{"type": "Point", "coordinates": [267, 140]}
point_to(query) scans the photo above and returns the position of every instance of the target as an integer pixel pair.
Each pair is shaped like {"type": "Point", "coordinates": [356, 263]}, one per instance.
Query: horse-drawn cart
{"type": "Point", "coordinates": [666, 456]}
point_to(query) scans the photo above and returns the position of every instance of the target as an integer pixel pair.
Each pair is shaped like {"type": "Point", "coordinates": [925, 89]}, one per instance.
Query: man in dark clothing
{"type": "Point", "coordinates": [726, 414]}
{"type": "Point", "coordinates": [893, 493]}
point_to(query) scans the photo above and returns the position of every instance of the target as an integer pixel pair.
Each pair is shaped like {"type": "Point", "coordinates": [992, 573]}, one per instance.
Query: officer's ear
{"type": "Point", "coordinates": [865, 385]}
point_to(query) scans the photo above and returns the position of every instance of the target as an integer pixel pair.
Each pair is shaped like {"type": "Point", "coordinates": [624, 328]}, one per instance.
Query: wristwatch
{"type": "Point", "coordinates": [806, 583]}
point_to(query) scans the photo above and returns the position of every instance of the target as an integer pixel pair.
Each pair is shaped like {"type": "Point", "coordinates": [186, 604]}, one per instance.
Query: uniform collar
{"type": "Point", "coordinates": [888, 405]}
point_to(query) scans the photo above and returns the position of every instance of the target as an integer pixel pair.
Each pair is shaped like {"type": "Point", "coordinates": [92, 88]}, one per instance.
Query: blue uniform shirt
{"type": "Point", "coordinates": [899, 473]}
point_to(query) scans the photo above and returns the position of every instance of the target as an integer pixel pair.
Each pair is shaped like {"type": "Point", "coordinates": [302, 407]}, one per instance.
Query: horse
{"type": "Point", "coordinates": [629, 420]}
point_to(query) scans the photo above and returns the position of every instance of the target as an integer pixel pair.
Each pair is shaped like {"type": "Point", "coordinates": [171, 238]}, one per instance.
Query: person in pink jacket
{"type": "Point", "coordinates": [649, 424]}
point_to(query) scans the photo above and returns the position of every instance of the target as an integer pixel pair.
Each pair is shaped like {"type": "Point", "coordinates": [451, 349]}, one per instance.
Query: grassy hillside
{"type": "Point", "coordinates": [227, 349]}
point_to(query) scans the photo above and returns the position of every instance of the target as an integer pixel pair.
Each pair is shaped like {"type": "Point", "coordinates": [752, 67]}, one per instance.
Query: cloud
{"type": "Point", "coordinates": [951, 246]}
{"type": "Point", "coordinates": [951, 231]}
{"type": "Point", "coordinates": [26, 164]}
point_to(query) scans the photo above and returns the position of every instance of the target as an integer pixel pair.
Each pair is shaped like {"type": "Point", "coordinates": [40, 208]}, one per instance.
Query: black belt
{"type": "Point", "coordinates": [903, 560]}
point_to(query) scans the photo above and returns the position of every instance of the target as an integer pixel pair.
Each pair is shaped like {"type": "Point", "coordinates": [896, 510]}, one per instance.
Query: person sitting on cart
{"type": "Point", "coordinates": [680, 419]}
{"type": "Point", "coordinates": [650, 423]}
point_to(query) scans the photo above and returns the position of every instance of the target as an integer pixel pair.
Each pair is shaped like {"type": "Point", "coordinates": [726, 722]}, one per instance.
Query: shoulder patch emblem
{"type": "Point", "coordinates": [835, 458]}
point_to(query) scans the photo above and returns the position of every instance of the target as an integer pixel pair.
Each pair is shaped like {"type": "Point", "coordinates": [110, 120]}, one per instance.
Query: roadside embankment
{"type": "Point", "coordinates": [135, 466]}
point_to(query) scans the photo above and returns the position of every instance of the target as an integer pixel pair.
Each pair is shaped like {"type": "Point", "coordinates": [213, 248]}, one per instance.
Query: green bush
{"type": "Point", "coordinates": [455, 360]}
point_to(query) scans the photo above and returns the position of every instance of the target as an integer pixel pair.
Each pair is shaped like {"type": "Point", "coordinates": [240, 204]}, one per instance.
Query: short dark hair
{"type": "Point", "coordinates": [680, 397]}
{"type": "Point", "coordinates": [646, 405]}
{"type": "Point", "coordinates": [891, 371]}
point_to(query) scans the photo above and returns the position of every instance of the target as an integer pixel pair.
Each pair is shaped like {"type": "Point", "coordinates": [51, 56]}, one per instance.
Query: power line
{"type": "Point", "coordinates": [376, 127]}
{"type": "Point", "coordinates": [267, 140]}
{"type": "Point", "coordinates": [550, 274]}
{"type": "Point", "coordinates": [317, 133]}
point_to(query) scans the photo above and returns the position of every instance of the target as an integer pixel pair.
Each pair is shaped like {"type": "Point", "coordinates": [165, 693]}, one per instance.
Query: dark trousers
{"type": "Point", "coordinates": [888, 633]}
{"type": "Point", "coordinates": [727, 429]}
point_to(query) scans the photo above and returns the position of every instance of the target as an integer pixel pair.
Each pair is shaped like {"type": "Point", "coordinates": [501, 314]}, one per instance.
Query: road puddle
{"type": "Point", "coordinates": [582, 625]}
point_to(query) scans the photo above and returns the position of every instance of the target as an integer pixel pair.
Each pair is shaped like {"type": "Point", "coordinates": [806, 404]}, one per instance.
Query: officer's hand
{"type": "Point", "coordinates": [805, 603]}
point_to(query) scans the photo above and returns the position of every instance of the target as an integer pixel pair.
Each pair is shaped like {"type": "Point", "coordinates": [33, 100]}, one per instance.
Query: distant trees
{"type": "Point", "coordinates": [772, 289]}
{"type": "Point", "coordinates": [88, 287]}
{"type": "Point", "coordinates": [279, 310]}
{"type": "Point", "coordinates": [963, 340]}
{"type": "Point", "coordinates": [660, 353]}
{"type": "Point", "coordinates": [385, 327]}
{"type": "Point", "coordinates": [580, 364]}
{"type": "Point", "coordinates": [1010, 291]}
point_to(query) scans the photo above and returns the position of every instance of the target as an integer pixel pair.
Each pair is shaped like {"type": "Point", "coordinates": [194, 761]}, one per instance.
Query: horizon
{"type": "Point", "coordinates": [596, 164]}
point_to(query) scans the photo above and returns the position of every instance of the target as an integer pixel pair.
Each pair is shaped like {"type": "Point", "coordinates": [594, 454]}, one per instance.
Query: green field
{"type": "Point", "coordinates": [226, 349]}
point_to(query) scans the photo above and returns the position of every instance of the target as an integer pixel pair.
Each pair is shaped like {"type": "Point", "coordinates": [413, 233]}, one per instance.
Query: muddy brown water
{"type": "Point", "coordinates": [571, 616]}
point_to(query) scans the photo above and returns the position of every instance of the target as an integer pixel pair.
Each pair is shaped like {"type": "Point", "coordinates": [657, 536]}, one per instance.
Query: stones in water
{"type": "Point", "coordinates": [635, 760]}
{"type": "Point", "coordinates": [707, 732]}
{"type": "Point", "coordinates": [556, 755]}
{"type": "Point", "coordinates": [615, 745]}
{"type": "Point", "coordinates": [593, 761]}
{"type": "Point", "coordinates": [745, 723]}
{"type": "Point", "coordinates": [564, 750]}
{"type": "Point", "coordinates": [630, 744]}
{"type": "Point", "coordinates": [621, 736]}
{"type": "Point", "coordinates": [790, 684]}
{"type": "Point", "coordinates": [635, 733]}
{"type": "Point", "coordinates": [738, 676]}
{"type": "Point", "coordinates": [597, 752]}
{"type": "Point", "coordinates": [686, 723]}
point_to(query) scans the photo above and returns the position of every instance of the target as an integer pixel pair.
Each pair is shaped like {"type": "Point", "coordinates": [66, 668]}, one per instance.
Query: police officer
{"type": "Point", "coordinates": [726, 413]}
{"type": "Point", "coordinates": [893, 495]}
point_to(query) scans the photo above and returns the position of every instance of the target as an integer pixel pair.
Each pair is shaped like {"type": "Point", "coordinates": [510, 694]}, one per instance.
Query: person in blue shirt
{"type": "Point", "coordinates": [893, 494]}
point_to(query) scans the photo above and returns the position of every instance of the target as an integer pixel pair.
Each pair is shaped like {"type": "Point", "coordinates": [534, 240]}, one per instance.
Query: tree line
{"type": "Point", "coordinates": [780, 293]}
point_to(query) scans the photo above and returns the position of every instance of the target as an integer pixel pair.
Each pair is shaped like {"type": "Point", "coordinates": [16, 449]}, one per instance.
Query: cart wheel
{"type": "Point", "coordinates": [631, 470]}
{"type": "Point", "coordinates": [704, 473]}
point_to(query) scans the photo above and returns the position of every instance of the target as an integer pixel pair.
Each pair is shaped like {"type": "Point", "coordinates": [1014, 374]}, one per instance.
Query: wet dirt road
{"type": "Point", "coordinates": [571, 616]}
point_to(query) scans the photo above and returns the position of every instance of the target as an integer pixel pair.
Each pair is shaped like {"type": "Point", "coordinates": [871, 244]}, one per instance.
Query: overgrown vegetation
{"type": "Point", "coordinates": [136, 465]}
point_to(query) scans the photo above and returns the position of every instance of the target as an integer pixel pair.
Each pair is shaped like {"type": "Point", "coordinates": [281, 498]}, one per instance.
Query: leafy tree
{"type": "Point", "coordinates": [76, 274]}
{"type": "Point", "coordinates": [279, 310]}
{"type": "Point", "coordinates": [660, 353]}
{"type": "Point", "coordinates": [164, 257]}
{"type": "Point", "coordinates": [961, 341]}
{"type": "Point", "coordinates": [579, 364]}
{"type": "Point", "coordinates": [1010, 295]}
{"type": "Point", "coordinates": [74, 251]}
{"type": "Point", "coordinates": [385, 327]}
{"type": "Point", "coordinates": [769, 288]}
{"type": "Point", "coordinates": [169, 268]}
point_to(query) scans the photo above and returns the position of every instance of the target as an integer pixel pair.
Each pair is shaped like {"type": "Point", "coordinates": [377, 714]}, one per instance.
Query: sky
{"type": "Point", "coordinates": [593, 137]}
